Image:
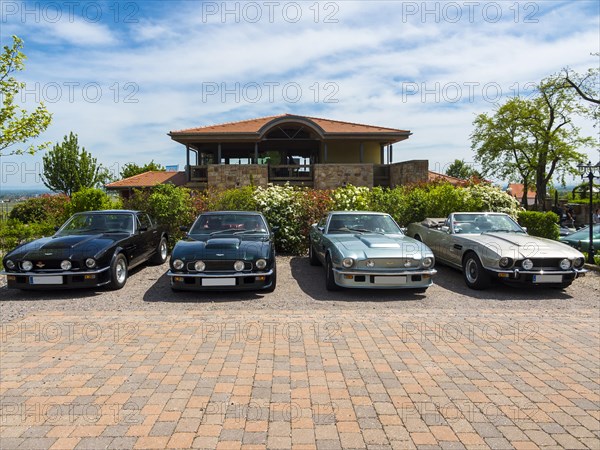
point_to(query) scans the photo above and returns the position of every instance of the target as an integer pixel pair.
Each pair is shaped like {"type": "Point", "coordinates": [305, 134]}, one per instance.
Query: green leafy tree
{"type": "Point", "coordinates": [132, 169]}
{"type": "Point", "coordinates": [460, 169]}
{"type": "Point", "coordinates": [68, 169]}
{"type": "Point", "coordinates": [17, 125]}
{"type": "Point", "coordinates": [532, 140]}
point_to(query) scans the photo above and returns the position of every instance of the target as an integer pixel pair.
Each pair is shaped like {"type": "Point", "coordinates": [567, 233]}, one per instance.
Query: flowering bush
{"type": "Point", "coordinates": [484, 197]}
{"type": "Point", "coordinates": [351, 198]}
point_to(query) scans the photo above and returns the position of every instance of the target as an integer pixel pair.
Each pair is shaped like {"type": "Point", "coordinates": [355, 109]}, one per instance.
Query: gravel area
{"type": "Point", "coordinates": [302, 287]}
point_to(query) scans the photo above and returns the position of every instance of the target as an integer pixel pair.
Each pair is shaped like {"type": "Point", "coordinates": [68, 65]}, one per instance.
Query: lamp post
{"type": "Point", "coordinates": [590, 172]}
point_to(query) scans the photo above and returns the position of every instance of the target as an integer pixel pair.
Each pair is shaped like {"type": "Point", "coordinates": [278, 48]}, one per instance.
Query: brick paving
{"type": "Point", "coordinates": [285, 379]}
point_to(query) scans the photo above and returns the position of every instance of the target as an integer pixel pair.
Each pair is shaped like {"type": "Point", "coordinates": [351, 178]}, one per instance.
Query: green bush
{"type": "Point", "coordinates": [240, 199]}
{"type": "Point", "coordinates": [46, 208]}
{"type": "Point", "coordinates": [351, 198]}
{"type": "Point", "coordinates": [91, 199]}
{"type": "Point", "coordinates": [542, 224]}
{"type": "Point", "coordinates": [14, 232]}
{"type": "Point", "coordinates": [170, 205]}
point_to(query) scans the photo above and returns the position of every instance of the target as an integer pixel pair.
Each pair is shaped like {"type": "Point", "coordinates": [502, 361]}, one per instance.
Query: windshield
{"type": "Point", "coordinates": [229, 223]}
{"type": "Point", "coordinates": [88, 223]}
{"type": "Point", "coordinates": [483, 223]}
{"type": "Point", "coordinates": [584, 234]}
{"type": "Point", "coordinates": [364, 223]}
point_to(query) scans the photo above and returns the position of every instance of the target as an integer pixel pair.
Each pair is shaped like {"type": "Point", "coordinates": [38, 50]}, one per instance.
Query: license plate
{"type": "Point", "coordinates": [390, 280]}
{"type": "Point", "coordinates": [218, 282]}
{"type": "Point", "coordinates": [547, 278]}
{"type": "Point", "coordinates": [57, 279]}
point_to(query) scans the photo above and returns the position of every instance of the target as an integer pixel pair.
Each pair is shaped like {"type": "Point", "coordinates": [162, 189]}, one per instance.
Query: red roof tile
{"type": "Point", "coordinates": [516, 190]}
{"type": "Point", "coordinates": [254, 125]}
{"type": "Point", "coordinates": [434, 176]}
{"type": "Point", "coordinates": [148, 179]}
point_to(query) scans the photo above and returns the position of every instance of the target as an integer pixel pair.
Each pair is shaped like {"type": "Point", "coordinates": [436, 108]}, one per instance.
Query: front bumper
{"type": "Point", "coordinates": [408, 279]}
{"type": "Point", "coordinates": [57, 279]}
{"type": "Point", "coordinates": [238, 281]}
{"type": "Point", "coordinates": [537, 277]}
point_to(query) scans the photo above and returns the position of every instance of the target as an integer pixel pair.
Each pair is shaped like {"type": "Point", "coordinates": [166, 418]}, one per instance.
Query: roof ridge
{"type": "Point", "coordinates": [352, 123]}
{"type": "Point", "coordinates": [233, 122]}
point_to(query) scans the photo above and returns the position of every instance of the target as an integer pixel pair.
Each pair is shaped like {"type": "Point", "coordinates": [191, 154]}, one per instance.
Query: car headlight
{"type": "Point", "coordinates": [27, 266]}
{"type": "Point", "coordinates": [200, 266]}
{"type": "Point", "coordinates": [578, 262]}
{"type": "Point", "coordinates": [66, 265]}
{"type": "Point", "coordinates": [527, 264]}
{"type": "Point", "coordinates": [90, 263]}
{"type": "Point", "coordinates": [370, 263]}
{"type": "Point", "coordinates": [427, 262]}
{"type": "Point", "coordinates": [178, 264]}
{"type": "Point", "coordinates": [347, 262]}
{"type": "Point", "coordinates": [239, 266]}
{"type": "Point", "coordinates": [505, 262]}
{"type": "Point", "coordinates": [261, 264]}
{"type": "Point", "coordinates": [9, 264]}
{"type": "Point", "coordinates": [565, 264]}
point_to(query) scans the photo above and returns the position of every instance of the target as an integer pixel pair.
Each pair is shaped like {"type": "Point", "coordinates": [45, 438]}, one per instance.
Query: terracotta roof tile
{"type": "Point", "coordinates": [254, 125]}
{"type": "Point", "coordinates": [516, 190]}
{"type": "Point", "coordinates": [435, 176]}
{"type": "Point", "coordinates": [148, 179]}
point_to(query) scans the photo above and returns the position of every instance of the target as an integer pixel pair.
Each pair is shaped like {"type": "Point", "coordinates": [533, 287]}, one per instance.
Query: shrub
{"type": "Point", "coordinates": [91, 199]}
{"type": "Point", "coordinates": [46, 208]}
{"type": "Point", "coordinates": [14, 232]}
{"type": "Point", "coordinates": [350, 198]}
{"type": "Point", "coordinates": [240, 199]}
{"type": "Point", "coordinates": [542, 224]}
{"type": "Point", "coordinates": [484, 197]}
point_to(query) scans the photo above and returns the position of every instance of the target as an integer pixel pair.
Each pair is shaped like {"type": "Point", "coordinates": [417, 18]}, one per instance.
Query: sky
{"type": "Point", "coordinates": [121, 75]}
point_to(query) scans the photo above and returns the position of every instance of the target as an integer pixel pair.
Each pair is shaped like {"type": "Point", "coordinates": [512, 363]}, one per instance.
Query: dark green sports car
{"type": "Point", "coordinates": [223, 251]}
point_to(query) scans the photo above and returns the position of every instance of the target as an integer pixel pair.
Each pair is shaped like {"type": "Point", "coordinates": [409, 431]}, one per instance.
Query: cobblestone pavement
{"type": "Point", "coordinates": [478, 377]}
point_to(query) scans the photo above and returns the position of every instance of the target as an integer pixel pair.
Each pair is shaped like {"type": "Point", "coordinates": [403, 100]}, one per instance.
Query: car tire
{"type": "Point", "coordinates": [118, 272]}
{"type": "Point", "coordinates": [330, 283]}
{"type": "Point", "coordinates": [273, 281]}
{"type": "Point", "coordinates": [312, 256]}
{"type": "Point", "coordinates": [162, 251]}
{"type": "Point", "coordinates": [476, 277]}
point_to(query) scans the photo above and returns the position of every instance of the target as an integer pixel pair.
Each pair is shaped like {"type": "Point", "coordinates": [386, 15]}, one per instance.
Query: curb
{"type": "Point", "coordinates": [592, 267]}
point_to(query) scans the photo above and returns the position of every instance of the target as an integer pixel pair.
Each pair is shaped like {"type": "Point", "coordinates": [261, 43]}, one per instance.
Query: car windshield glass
{"type": "Point", "coordinates": [88, 223]}
{"type": "Point", "coordinates": [584, 234]}
{"type": "Point", "coordinates": [484, 223]}
{"type": "Point", "coordinates": [363, 223]}
{"type": "Point", "coordinates": [215, 224]}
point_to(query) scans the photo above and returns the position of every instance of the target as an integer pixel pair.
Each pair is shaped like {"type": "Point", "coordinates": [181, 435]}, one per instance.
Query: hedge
{"type": "Point", "coordinates": [542, 224]}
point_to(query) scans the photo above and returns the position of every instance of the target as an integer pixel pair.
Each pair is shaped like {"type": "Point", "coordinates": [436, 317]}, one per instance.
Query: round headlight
{"type": "Point", "coordinates": [370, 263]}
{"type": "Point", "coordinates": [27, 265]}
{"type": "Point", "coordinates": [505, 262]}
{"type": "Point", "coordinates": [90, 263]}
{"type": "Point", "coordinates": [347, 262]}
{"type": "Point", "coordinates": [9, 264]}
{"type": "Point", "coordinates": [199, 266]}
{"type": "Point", "coordinates": [565, 264]}
{"type": "Point", "coordinates": [578, 262]}
{"type": "Point", "coordinates": [239, 266]}
{"type": "Point", "coordinates": [178, 264]}
{"type": "Point", "coordinates": [261, 264]}
{"type": "Point", "coordinates": [66, 265]}
{"type": "Point", "coordinates": [427, 262]}
{"type": "Point", "coordinates": [527, 264]}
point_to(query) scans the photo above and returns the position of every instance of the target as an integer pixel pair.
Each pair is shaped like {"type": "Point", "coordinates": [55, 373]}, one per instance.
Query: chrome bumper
{"type": "Point", "coordinates": [170, 273]}
{"type": "Point", "coordinates": [53, 273]}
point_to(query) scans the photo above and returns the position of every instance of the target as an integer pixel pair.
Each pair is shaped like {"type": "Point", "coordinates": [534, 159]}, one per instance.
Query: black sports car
{"type": "Point", "coordinates": [225, 250]}
{"type": "Point", "coordinates": [91, 249]}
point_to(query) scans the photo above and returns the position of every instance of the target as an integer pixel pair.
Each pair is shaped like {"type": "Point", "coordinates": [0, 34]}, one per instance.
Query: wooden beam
{"type": "Point", "coordinates": [188, 169]}
{"type": "Point", "coordinates": [256, 153]}
{"type": "Point", "coordinates": [219, 153]}
{"type": "Point", "coordinates": [325, 152]}
{"type": "Point", "coordinates": [362, 153]}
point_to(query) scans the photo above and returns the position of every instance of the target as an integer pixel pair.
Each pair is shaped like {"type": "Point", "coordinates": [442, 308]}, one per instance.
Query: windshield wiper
{"type": "Point", "coordinates": [250, 231]}
{"type": "Point", "coordinates": [364, 230]}
{"type": "Point", "coordinates": [228, 230]}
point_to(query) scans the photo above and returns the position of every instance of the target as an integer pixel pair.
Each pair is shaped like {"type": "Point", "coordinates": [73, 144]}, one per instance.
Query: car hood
{"type": "Point", "coordinates": [379, 245]}
{"type": "Point", "coordinates": [222, 248]}
{"type": "Point", "coordinates": [525, 246]}
{"type": "Point", "coordinates": [63, 247]}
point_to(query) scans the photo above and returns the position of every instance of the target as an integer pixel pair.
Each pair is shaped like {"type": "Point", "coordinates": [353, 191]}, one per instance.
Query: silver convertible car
{"type": "Point", "coordinates": [493, 245]}
{"type": "Point", "coordinates": [369, 250]}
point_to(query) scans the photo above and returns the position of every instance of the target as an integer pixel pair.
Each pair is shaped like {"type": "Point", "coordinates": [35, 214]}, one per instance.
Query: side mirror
{"type": "Point", "coordinates": [56, 228]}
{"type": "Point", "coordinates": [183, 228]}
{"type": "Point", "coordinates": [403, 230]}
{"type": "Point", "coordinates": [275, 230]}
{"type": "Point", "coordinates": [445, 229]}
{"type": "Point", "coordinates": [321, 229]}
{"type": "Point", "coordinates": [142, 229]}
{"type": "Point", "coordinates": [524, 229]}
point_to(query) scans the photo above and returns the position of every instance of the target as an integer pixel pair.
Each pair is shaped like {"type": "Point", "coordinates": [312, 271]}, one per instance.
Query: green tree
{"type": "Point", "coordinates": [132, 169]}
{"type": "Point", "coordinates": [532, 140]}
{"type": "Point", "coordinates": [17, 126]}
{"type": "Point", "coordinates": [68, 169]}
{"type": "Point", "coordinates": [460, 169]}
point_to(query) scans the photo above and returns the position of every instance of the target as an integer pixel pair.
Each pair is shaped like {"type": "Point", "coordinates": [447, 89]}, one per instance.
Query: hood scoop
{"type": "Point", "coordinates": [66, 242]}
{"type": "Point", "coordinates": [378, 242]}
{"type": "Point", "coordinates": [223, 243]}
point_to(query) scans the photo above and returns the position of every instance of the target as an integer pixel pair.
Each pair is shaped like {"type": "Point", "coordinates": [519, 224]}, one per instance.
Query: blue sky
{"type": "Point", "coordinates": [123, 74]}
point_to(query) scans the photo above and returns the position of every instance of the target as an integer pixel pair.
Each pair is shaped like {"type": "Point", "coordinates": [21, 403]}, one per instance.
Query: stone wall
{"type": "Point", "coordinates": [228, 176]}
{"type": "Point", "coordinates": [408, 172]}
{"type": "Point", "coordinates": [331, 176]}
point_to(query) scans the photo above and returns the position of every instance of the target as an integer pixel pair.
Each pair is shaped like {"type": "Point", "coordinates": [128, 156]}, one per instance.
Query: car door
{"type": "Point", "coordinates": [318, 241]}
{"type": "Point", "coordinates": [148, 231]}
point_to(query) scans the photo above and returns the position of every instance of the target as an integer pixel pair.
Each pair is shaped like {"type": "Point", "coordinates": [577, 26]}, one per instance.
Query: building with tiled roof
{"type": "Point", "coordinates": [516, 190]}
{"type": "Point", "coordinates": [146, 180]}
{"type": "Point", "coordinates": [301, 150]}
